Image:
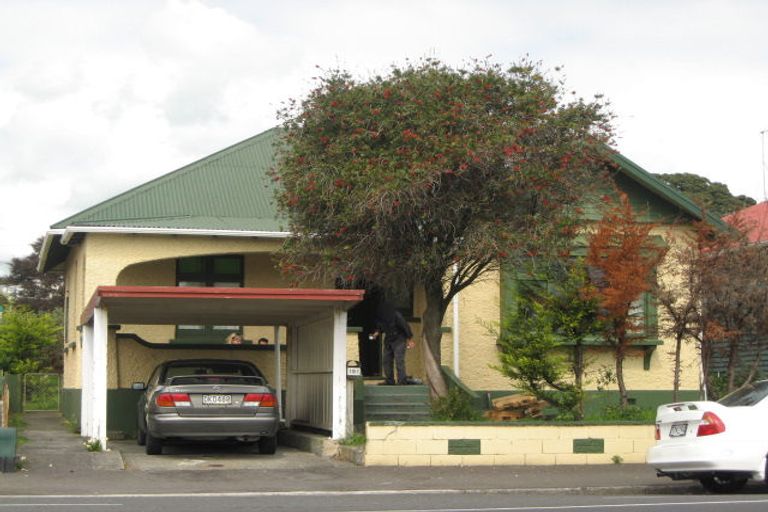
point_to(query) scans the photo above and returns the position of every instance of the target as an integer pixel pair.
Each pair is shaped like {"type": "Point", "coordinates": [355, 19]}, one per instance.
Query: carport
{"type": "Point", "coordinates": [315, 322]}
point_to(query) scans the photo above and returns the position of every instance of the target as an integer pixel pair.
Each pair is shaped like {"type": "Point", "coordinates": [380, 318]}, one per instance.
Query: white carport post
{"type": "Point", "coordinates": [278, 373]}
{"type": "Point", "coordinates": [86, 380]}
{"type": "Point", "coordinates": [341, 424]}
{"type": "Point", "coordinates": [99, 376]}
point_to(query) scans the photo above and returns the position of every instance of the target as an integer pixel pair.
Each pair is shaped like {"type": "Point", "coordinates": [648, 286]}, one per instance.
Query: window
{"type": "Point", "coordinates": [642, 311]}
{"type": "Point", "coordinates": [519, 284]}
{"type": "Point", "coordinates": [209, 271]}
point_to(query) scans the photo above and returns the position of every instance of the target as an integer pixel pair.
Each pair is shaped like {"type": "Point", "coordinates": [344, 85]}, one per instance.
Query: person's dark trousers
{"type": "Point", "coordinates": [394, 352]}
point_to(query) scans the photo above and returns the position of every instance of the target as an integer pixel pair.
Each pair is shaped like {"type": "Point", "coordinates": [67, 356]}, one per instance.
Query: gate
{"type": "Point", "coordinates": [42, 392]}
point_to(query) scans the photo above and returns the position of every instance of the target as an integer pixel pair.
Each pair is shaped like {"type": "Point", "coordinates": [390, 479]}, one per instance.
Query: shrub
{"type": "Point", "coordinates": [455, 406]}
{"type": "Point", "coordinates": [355, 439]}
{"type": "Point", "coordinates": [628, 413]}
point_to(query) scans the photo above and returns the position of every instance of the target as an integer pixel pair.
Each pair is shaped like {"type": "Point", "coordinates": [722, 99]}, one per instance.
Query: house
{"type": "Point", "coordinates": [754, 220]}
{"type": "Point", "coordinates": [171, 267]}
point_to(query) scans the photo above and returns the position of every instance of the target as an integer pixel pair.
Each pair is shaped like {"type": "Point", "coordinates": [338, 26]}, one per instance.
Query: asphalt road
{"type": "Point", "coordinates": [399, 501]}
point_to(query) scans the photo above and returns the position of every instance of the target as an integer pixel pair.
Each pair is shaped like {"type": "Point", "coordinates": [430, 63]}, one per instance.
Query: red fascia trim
{"type": "Point", "coordinates": [189, 292]}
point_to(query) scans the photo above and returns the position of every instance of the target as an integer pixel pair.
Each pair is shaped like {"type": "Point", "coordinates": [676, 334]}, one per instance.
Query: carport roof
{"type": "Point", "coordinates": [164, 305]}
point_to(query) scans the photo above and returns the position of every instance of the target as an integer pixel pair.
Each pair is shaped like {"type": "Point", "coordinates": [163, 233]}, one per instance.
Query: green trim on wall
{"type": "Point", "coordinates": [590, 445]}
{"type": "Point", "coordinates": [649, 399]}
{"type": "Point", "coordinates": [463, 447]}
{"type": "Point", "coordinates": [121, 412]}
{"type": "Point", "coordinates": [595, 401]}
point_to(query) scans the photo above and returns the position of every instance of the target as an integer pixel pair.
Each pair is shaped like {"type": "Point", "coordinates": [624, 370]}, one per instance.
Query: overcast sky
{"type": "Point", "coordinates": [97, 97]}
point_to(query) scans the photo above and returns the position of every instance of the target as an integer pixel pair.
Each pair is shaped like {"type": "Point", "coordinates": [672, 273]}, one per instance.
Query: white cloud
{"type": "Point", "coordinates": [97, 97]}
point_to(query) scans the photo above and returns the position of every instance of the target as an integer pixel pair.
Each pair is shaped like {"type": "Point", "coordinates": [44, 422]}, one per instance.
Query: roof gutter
{"type": "Point", "coordinates": [67, 233]}
{"type": "Point", "coordinates": [70, 231]}
{"type": "Point", "coordinates": [43, 256]}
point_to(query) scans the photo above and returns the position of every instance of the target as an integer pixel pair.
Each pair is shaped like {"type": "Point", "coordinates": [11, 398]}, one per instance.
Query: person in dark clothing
{"type": "Point", "coordinates": [397, 337]}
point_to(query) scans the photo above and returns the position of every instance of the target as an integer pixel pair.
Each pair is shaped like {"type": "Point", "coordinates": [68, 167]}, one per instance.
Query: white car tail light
{"type": "Point", "coordinates": [711, 424]}
{"type": "Point", "coordinates": [173, 400]}
{"type": "Point", "coordinates": [259, 400]}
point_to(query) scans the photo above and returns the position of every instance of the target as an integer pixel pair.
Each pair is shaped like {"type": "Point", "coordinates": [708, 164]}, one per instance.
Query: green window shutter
{"type": "Point", "coordinates": [651, 316]}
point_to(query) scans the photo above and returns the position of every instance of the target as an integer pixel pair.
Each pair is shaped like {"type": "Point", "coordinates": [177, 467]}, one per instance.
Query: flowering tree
{"type": "Point", "coordinates": [430, 175]}
{"type": "Point", "coordinates": [624, 258]}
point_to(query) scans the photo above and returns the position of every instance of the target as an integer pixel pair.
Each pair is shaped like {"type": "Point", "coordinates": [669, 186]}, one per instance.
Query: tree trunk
{"type": "Point", "coordinates": [753, 367]}
{"type": "Point", "coordinates": [432, 334]}
{"type": "Point", "coordinates": [623, 398]}
{"type": "Point", "coordinates": [676, 380]}
{"type": "Point", "coordinates": [578, 374]}
{"type": "Point", "coordinates": [705, 354]}
{"type": "Point", "coordinates": [732, 359]}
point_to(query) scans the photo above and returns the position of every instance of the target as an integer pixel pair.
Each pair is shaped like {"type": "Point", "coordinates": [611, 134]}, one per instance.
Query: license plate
{"type": "Point", "coordinates": [217, 399]}
{"type": "Point", "coordinates": [678, 430]}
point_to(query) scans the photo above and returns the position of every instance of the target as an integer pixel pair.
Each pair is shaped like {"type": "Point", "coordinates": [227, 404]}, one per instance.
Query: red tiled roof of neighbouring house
{"type": "Point", "coordinates": [754, 218]}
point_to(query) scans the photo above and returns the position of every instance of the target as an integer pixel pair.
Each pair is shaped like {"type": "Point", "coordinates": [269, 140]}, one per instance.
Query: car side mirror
{"type": "Point", "coordinates": [138, 386]}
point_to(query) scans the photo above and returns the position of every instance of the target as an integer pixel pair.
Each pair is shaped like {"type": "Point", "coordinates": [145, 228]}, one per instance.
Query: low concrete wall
{"type": "Point", "coordinates": [477, 444]}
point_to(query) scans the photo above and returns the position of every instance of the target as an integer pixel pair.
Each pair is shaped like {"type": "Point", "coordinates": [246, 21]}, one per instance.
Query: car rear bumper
{"type": "Point", "coordinates": [202, 427]}
{"type": "Point", "coordinates": [705, 458]}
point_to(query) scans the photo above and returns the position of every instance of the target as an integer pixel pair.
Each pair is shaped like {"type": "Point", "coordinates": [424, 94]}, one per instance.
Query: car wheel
{"type": "Point", "coordinates": [723, 482]}
{"type": "Point", "coordinates": [268, 445]}
{"type": "Point", "coordinates": [141, 436]}
{"type": "Point", "coordinates": [154, 445]}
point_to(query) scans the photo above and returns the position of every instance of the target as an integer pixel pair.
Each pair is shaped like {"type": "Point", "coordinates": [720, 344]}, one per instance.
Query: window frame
{"type": "Point", "coordinates": [208, 277]}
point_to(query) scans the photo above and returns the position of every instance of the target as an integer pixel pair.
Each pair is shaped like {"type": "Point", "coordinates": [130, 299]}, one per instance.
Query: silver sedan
{"type": "Point", "coordinates": [207, 399]}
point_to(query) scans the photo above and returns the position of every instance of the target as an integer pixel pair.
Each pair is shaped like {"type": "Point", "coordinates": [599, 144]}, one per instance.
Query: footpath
{"type": "Point", "coordinates": [57, 463]}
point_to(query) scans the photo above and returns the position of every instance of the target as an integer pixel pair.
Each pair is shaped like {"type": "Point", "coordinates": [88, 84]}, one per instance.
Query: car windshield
{"type": "Point", "coordinates": [212, 368]}
{"type": "Point", "coordinates": [748, 395]}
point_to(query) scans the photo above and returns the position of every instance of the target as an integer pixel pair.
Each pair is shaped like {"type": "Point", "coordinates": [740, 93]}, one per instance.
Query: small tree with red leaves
{"type": "Point", "coordinates": [430, 175]}
{"type": "Point", "coordinates": [623, 258]}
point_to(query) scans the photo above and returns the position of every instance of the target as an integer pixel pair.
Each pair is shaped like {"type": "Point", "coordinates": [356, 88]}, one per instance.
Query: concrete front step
{"type": "Point", "coordinates": [396, 399]}
{"type": "Point", "coordinates": [396, 390]}
{"type": "Point", "coordinates": [397, 403]}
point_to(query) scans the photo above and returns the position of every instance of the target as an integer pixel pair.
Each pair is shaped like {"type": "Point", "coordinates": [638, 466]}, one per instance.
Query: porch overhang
{"type": "Point", "coordinates": [161, 305]}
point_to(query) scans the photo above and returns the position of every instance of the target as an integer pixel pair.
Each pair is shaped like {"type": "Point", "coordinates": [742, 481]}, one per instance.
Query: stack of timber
{"type": "Point", "coordinates": [515, 407]}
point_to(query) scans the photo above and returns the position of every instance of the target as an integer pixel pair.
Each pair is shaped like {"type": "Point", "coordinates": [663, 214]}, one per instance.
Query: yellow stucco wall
{"type": "Point", "coordinates": [480, 306]}
{"type": "Point", "coordinates": [105, 259]}
{"type": "Point", "coordinates": [259, 273]}
{"type": "Point", "coordinates": [129, 361]}
{"type": "Point", "coordinates": [111, 259]}
{"type": "Point", "coordinates": [504, 445]}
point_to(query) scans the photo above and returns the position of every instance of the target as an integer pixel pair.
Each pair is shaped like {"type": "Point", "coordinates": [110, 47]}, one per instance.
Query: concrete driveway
{"type": "Point", "coordinates": [53, 447]}
{"type": "Point", "coordinates": [213, 456]}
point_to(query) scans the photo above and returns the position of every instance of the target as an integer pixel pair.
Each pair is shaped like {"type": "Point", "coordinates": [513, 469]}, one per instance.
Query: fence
{"type": "Point", "coordinates": [42, 392]}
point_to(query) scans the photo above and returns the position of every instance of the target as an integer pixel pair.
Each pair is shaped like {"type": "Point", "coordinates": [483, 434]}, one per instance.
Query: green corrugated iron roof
{"type": "Point", "coordinates": [228, 190]}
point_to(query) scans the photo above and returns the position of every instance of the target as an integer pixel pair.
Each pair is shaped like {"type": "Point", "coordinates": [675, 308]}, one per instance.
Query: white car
{"type": "Point", "coordinates": [722, 444]}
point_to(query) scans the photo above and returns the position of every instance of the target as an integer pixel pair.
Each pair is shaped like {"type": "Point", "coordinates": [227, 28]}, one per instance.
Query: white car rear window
{"type": "Point", "coordinates": [748, 395]}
